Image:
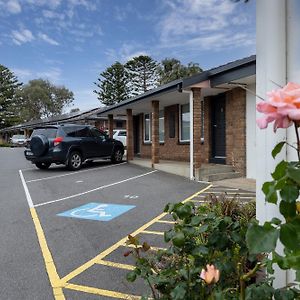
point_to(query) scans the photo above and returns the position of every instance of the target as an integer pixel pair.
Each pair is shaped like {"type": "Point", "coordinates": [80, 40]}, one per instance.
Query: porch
{"type": "Point", "coordinates": [207, 172]}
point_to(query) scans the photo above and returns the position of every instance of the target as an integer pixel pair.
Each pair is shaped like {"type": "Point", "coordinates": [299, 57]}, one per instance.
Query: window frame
{"type": "Point", "coordinates": [144, 129]}
{"type": "Point", "coordinates": [161, 112]}
{"type": "Point", "coordinates": [180, 124]}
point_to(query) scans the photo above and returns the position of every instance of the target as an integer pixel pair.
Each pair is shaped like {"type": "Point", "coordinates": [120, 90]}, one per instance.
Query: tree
{"type": "Point", "coordinates": [42, 99]}
{"type": "Point", "coordinates": [171, 69]}
{"type": "Point", "coordinates": [143, 74]}
{"type": "Point", "coordinates": [112, 85]}
{"type": "Point", "coordinates": [9, 100]}
{"type": "Point", "coordinates": [74, 110]}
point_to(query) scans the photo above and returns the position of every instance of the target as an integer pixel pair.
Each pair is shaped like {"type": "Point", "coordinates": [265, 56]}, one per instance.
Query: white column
{"type": "Point", "coordinates": [270, 66]}
{"type": "Point", "coordinates": [293, 71]}
{"type": "Point", "coordinates": [293, 60]}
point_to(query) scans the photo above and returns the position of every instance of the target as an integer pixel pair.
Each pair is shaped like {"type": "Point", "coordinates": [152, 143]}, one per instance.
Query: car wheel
{"type": "Point", "coordinates": [43, 166]}
{"type": "Point", "coordinates": [117, 156]}
{"type": "Point", "coordinates": [74, 161]}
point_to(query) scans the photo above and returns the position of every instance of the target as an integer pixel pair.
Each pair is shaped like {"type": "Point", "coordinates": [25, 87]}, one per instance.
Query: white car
{"type": "Point", "coordinates": [18, 140]}
{"type": "Point", "coordinates": [120, 135]}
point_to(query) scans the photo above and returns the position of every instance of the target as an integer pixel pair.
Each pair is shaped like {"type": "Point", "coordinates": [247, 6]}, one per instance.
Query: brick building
{"type": "Point", "coordinates": [206, 119]}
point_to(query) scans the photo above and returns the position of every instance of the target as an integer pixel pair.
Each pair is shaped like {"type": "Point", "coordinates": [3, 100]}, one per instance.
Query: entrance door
{"type": "Point", "coordinates": [136, 134]}
{"type": "Point", "coordinates": [218, 130]}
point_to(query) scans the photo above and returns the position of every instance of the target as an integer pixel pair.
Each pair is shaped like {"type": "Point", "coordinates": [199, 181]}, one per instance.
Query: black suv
{"type": "Point", "coordinates": [71, 145]}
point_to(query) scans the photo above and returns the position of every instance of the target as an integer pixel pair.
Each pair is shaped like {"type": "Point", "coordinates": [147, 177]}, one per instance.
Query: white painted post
{"type": "Point", "coordinates": [191, 100]}
{"type": "Point", "coordinates": [293, 72]}
{"type": "Point", "coordinates": [270, 66]}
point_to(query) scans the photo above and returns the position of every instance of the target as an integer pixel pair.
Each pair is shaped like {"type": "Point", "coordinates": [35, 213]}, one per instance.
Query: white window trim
{"type": "Point", "coordinates": [181, 140]}
{"type": "Point", "coordinates": [163, 117]}
{"type": "Point", "coordinates": [150, 131]}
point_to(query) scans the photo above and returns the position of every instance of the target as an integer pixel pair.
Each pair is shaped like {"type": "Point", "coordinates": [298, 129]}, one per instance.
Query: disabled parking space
{"type": "Point", "coordinates": [79, 215]}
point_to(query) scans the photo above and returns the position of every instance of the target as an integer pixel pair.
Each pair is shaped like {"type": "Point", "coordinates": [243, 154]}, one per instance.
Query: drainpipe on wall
{"type": "Point", "coordinates": [191, 101]}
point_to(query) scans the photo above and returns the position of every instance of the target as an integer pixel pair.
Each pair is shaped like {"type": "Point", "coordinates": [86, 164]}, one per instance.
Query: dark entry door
{"type": "Point", "coordinates": [218, 130]}
{"type": "Point", "coordinates": [136, 134]}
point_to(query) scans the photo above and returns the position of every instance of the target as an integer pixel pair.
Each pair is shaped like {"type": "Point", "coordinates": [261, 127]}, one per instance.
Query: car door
{"type": "Point", "coordinates": [104, 144]}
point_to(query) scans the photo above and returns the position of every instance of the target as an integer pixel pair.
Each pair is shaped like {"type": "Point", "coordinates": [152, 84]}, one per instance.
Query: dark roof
{"type": "Point", "coordinates": [223, 74]}
{"type": "Point", "coordinates": [57, 119]}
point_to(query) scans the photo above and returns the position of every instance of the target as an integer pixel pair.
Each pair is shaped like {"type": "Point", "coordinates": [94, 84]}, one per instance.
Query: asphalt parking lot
{"type": "Point", "coordinates": [64, 231]}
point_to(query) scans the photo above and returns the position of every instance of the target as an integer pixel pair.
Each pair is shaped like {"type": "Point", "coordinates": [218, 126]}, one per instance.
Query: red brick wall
{"type": "Point", "coordinates": [236, 129]}
{"type": "Point", "coordinates": [172, 149]}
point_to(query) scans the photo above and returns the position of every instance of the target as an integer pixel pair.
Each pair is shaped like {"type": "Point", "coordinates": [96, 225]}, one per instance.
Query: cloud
{"type": "Point", "coordinates": [50, 14]}
{"type": "Point", "coordinates": [47, 39]}
{"type": "Point", "coordinates": [53, 4]}
{"type": "Point", "coordinates": [53, 74]}
{"type": "Point", "coordinates": [13, 7]}
{"type": "Point", "coordinates": [89, 5]}
{"type": "Point", "coordinates": [208, 25]}
{"type": "Point", "coordinates": [23, 74]}
{"type": "Point", "coordinates": [86, 99]}
{"type": "Point", "coordinates": [22, 36]}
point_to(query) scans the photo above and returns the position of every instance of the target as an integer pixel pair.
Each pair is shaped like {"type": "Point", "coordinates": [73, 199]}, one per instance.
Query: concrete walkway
{"type": "Point", "coordinates": [182, 169]}
{"type": "Point", "coordinates": [239, 183]}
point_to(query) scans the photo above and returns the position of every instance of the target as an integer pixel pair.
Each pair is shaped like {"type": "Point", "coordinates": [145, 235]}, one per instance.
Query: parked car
{"type": "Point", "coordinates": [71, 145]}
{"type": "Point", "coordinates": [17, 140]}
{"type": "Point", "coordinates": [120, 135]}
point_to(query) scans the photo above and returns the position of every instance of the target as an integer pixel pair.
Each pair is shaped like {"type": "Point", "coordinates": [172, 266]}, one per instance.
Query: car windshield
{"type": "Point", "coordinates": [48, 132]}
{"type": "Point", "coordinates": [18, 136]}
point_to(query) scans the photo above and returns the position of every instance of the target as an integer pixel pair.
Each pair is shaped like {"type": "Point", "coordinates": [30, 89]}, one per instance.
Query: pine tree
{"type": "Point", "coordinates": [112, 85]}
{"type": "Point", "coordinates": [9, 99]}
{"type": "Point", "coordinates": [143, 74]}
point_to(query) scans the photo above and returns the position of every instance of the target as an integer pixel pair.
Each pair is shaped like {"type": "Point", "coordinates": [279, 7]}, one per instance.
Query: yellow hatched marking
{"type": "Point", "coordinates": [106, 252]}
{"type": "Point", "coordinates": [49, 263]}
{"type": "Point", "coordinates": [165, 221]}
{"type": "Point", "coordinates": [153, 232]}
{"type": "Point", "coordinates": [151, 248]}
{"type": "Point", "coordinates": [101, 292]}
{"type": "Point", "coordinates": [109, 250]}
{"type": "Point", "coordinates": [115, 265]}
{"type": "Point", "coordinates": [199, 201]}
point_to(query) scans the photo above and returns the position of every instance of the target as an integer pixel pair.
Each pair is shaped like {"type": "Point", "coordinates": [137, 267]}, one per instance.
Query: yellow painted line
{"type": "Point", "coordinates": [153, 232]}
{"type": "Point", "coordinates": [109, 250]}
{"type": "Point", "coordinates": [166, 222]}
{"type": "Point", "coordinates": [199, 201]}
{"type": "Point", "coordinates": [106, 252]}
{"type": "Point", "coordinates": [115, 265]}
{"type": "Point", "coordinates": [49, 263]}
{"type": "Point", "coordinates": [196, 194]}
{"type": "Point", "coordinates": [151, 247]}
{"type": "Point", "coordinates": [101, 292]}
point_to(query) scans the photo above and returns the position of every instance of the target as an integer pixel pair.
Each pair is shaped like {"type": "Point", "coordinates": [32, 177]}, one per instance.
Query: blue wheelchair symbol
{"type": "Point", "coordinates": [97, 211]}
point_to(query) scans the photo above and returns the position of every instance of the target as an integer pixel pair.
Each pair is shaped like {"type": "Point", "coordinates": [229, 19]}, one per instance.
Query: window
{"type": "Point", "coordinates": [161, 127]}
{"type": "Point", "coordinates": [147, 128]}
{"type": "Point", "coordinates": [185, 123]}
{"type": "Point", "coordinates": [99, 134]}
{"type": "Point", "coordinates": [171, 124]}
{"type": "Point", "coordinates": [119, 124]}
{"type": "Point", "coordinates": [122, 133]}
{"type": "Point", "coordinates": [48, 132]}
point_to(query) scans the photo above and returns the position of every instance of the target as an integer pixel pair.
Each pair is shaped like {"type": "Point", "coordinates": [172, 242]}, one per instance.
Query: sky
{"type": "Point", "coordinates": [70, 42]}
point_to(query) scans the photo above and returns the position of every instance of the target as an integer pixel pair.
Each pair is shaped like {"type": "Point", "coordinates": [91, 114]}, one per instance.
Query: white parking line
{"type": "Point", "coordinates": [74, 173]}
{"type": "Point", "coordinates": [28, 197]}
{"type": "Point", "coordinates": [96, 189]}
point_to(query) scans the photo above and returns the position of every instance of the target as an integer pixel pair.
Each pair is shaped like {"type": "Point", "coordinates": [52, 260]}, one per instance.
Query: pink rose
{"type": "Point", "coordinates": [282, 107]}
